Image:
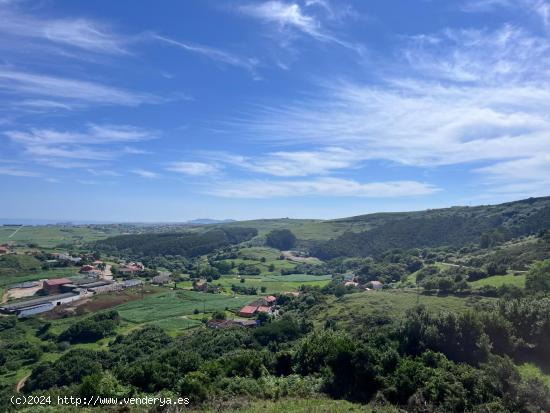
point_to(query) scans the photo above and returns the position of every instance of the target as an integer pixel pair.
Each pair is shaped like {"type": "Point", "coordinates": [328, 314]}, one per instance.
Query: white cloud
{"type": "Point", "coordinates": [290, 16]}
{"type": "Point", "coordinates": [292, 163]}
{"type": "Point", "coordinates": [249, 64]}
{"type": "Point", "coordinates": [193, 168]}
{"type": "Point", "coordinates": [537, 8]}
{"type": "Point", "coordinates": [145, 174]}
{"type": "Point", "coordinates": [321, 187]}
{"type": "Point", "coordinates": [96, 142]}
{"type": "Point", "coordinates": [77, 33]}
{"type": "Point", "coordinates": [67, 91]}
{"type": "Point", "coordinates": [470, 96]}
{"type": "Point", "coordinates": [14, 171]}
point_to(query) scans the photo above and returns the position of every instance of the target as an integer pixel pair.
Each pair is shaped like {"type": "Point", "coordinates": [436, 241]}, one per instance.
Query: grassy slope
{"type": "Point", "coordinates": [388, 303]}
{"type": "Point", "coordinates": [275, 283]}
{"type": "Point", "coordinates": [174, 309]}
{"type": "Point", "coordinates": [50, 236]}
{"type": "Point", "coordinates": [499, 280]}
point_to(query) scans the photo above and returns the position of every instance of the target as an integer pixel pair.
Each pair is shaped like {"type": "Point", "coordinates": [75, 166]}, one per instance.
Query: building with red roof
{"type": "Point", "coordinates": [248, 311]}
{"type": "Point", "coordinates": [263, 309]}
{"type": "Point", "coordinates": [53, 286]}
{"type": "Point", "coordinates": [271, 299]}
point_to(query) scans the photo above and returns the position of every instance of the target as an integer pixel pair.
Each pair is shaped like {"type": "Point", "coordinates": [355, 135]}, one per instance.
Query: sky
{"type": "Point", "coordinates": [175, 110]}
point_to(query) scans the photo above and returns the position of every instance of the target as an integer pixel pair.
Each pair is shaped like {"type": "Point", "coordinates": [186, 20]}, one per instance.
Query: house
{"type": "Point", "coordinates": [87, 268]}
{"type": "Point", "coordinates": [248, 311]}
{"type": "Point", "coordinates": [263, 309]}
{"type": "Point", "coordinates": [54, 285]}
{"type": "Point", "coordinates": [200, 286]}
{"type": "Point", "coordinates": [4, 249]}
{"type": "Point", "coordinates": [131, 268]}
{"type": "Point", "coordinates": [271, 300]}
{"type": "Point", "coordinates": [375, 285]}
{"type": "Point", "coordinates": [63, 256]}
{"type": "Point", "coordinates": [161, 279]}
{"type": "Point", "coordinates": [351, 284]}
{"type": "Point", "coordinates": [348, 277]}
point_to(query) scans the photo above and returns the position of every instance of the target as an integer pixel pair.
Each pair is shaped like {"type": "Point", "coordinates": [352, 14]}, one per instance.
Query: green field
{"type": "Point", "coordinates": [274, 283]}
{"type": "Point", "coordinates": [39, 275]}
{"type": "Point", "coordinates": [174, 309]}
{"type": "Point", "coordinates": [50, 236]}
{"type": "Point", "coordinates": [499, 280]}
{"type": "Point", "coordinates": [393, 303]}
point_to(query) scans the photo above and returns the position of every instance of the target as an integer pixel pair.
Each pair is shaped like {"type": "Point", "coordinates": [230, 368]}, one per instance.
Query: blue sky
{"type": "Point", "coordinates": [168, 111]}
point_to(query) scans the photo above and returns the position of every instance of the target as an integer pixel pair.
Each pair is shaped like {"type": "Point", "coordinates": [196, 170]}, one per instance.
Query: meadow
{"type": "Point", "coordinates": [50, 236]}
{"type": "Point", "coordinates": [39, 275]}
{"type": "Point", "coordinates": [273, 283]}
{"type": "Point", "coordinates": [174, 310]}
{"type": "Point", "coordinates": [500, 280]}
{"type": "Point", "coordinates": [355, 307]}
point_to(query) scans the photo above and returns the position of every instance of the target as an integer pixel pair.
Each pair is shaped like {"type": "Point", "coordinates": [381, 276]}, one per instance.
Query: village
{"type": "Point", "coordinates": [64, 295]}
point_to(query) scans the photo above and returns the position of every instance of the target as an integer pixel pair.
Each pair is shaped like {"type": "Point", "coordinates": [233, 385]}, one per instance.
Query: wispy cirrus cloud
{"type": "Point", "coordinates": [67, 91]}
{"type": "Point", "coordinates": [292, 163]}
{"type": "Point", "coordinates": [79, 34]}
{"type": "Point", "coordinates": [16, 171]}
{"type": "Point", "coordinates": [332, 187]}
{"type": "Point", "coordinates": [218, 55]}
{"type": "Point", "coordinates": [193, 168]}
{"type": "Point", "coordinates": [145, 173]}
{"type": "Point", "coordinates": [290, 17]}
{"type": "Point", "coordinates": [470, 96]}
{"type": "Point", "coordinates": [537, 8]}
{"type": "Point", "coordinates": [95, 143]}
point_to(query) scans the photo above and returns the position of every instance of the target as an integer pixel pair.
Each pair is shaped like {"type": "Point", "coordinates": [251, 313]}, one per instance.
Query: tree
{"type": "Point", "coordinates": [538, 278]}
{"type": "Point", "coordinates": [282, 239]}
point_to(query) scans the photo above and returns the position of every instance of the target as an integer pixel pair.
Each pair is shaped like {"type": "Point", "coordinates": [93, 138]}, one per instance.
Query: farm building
{"type": "Point", "coordinates": [131, 283]}
{"type": "Point", "coordinates": [54, 285]}
{"type": "Point", "coordinates": [131, 268]}
{"type": "Point", "coordinates": [161, 279]}
{"type": "Point", "coordinates": [66, 257]}
{"type": "Point", "coordinates": [38, 305]}
{"type": "Point", "coordinates": [4, 249]}
{"type": "Point", "coordinates": [200, 286]}
{"type": "Point", "coordinates": [248, 311]}
{"type": "Point", "coordinates": [375, 285]}
{"type": "Point", "coordinates": [87, 268]}
{"type": "Point", "coordinates": [105, 288]}
{"type": "Point", "coordinates": [98, 287]}
{"type": "Point", "coordinates": [271, 299]}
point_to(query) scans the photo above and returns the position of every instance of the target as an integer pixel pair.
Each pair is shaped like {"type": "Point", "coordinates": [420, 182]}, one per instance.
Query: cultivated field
{"type": "Point", "coordinates": [175, 309]}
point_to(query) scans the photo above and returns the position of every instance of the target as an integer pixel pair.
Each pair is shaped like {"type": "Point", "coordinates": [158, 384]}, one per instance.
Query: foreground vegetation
{"type": "Point", "coordinates": [458, 322]}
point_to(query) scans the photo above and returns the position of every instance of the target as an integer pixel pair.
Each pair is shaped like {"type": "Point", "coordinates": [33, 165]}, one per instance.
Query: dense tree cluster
{"type": "Point", "coordinates": [92, 328]}
{"type": "Point", "coordinates": [186, 244]}
{"type": "Point", "coordinates": [282, 239]}
{"type": "Point", "coordinates": [457, 227]}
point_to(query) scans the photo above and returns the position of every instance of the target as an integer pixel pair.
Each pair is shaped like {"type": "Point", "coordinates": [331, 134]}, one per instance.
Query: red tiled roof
{"type": "Point", "coordinates": [263, 309]}
{"type": "Point", "coordinates": [271, 298]}
{"type": "Point", "coordinates": [57, 281]}
{"type": "Point", "coordinates": [248, 309]}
